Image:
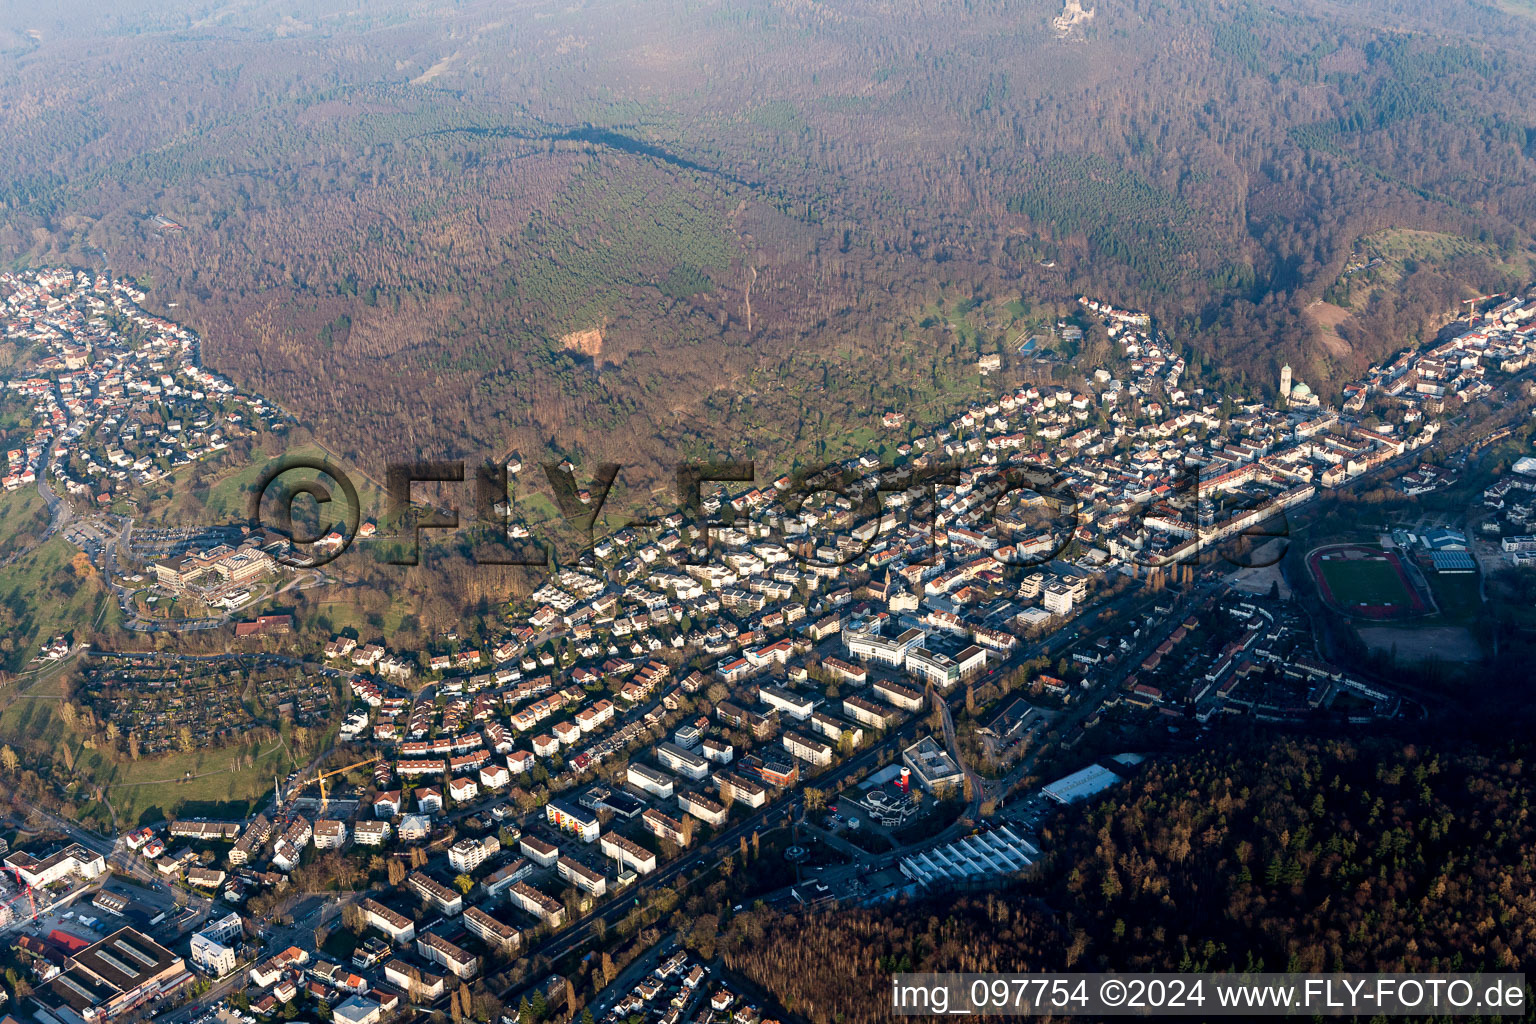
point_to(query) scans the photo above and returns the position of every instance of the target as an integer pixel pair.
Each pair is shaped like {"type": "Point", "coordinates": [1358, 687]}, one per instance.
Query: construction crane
{"type": "Point", "coordinates": [23, 891]}
{"type": "Point", "coordinates": [1471, 304]}
{"type": "Point", "coordinates": [320, 778]}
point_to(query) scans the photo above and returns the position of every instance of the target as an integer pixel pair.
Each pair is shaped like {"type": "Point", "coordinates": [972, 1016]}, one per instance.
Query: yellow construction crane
{"type": "Point", "coordinates": [320, 778]}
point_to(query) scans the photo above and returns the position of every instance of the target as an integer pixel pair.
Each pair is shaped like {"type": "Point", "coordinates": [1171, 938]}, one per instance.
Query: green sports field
{"type": "Point", "coordinates": [1358, 581]}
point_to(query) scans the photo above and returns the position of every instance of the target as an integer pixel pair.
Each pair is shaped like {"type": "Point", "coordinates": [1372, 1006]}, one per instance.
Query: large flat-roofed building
{"type": "Point", "coordinates": [244, 566]}
{"type": "Point", "coordinates": [176, 573]}
{"type": "Point", "coordinates": [73, 859]}
{"type": "Point", "coordinates": [226, 929]}
{"type": "Point", "coordinates": [995, 854]}
{"type": "Point", "coordinates": [795, 705]}
{"type": "Point", "coordinates": [779, 773]}
{"type": "Point", "coordinates": [621, 804]}
{"type": "Point", "coordinates": [229, 567]}
{"type": "Point", "coordinates": [931, 765]}
{"type": "Point", "coordinates": [1081, 785]}
{"type": "Point", "coordinates": [936, 668]}
{"type": "Point", "coordinates": [578, 822]}
{"type": "Point", "coordinates": [111, 977]}
{"type": "Point", "coordinates": [356, 1009]}
{"type": "Point", "coordinates": [891, 651]}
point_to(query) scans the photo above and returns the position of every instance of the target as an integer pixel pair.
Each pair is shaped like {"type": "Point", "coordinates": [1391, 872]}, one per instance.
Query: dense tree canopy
{"type": "Point", "coordinates": [1305, 856]}
{"type": "Point", "coordinates": [389, 217]}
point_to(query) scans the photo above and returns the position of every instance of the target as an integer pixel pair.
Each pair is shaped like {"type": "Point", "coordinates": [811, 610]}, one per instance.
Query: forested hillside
{"type": "Point", "coordinates": [1306, 856]}
{"type": "Point", "coordinates": [751, 201]}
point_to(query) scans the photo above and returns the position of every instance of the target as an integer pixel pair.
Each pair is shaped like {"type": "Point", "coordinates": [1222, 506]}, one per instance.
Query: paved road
{"type": "Point", "coordinates": [115, 853]}
{"type": "Point", "coordinates": [58, 508]}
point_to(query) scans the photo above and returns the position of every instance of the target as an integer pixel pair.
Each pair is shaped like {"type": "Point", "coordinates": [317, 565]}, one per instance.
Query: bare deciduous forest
{"type": "Point", "coordinates": [1302, 856]}
{"type": "Point", "coordinates": [389, 217]}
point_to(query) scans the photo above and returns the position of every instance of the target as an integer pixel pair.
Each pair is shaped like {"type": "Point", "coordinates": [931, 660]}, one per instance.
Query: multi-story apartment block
{"type": "Point", "coordinates": [628, 853]}
{"type": "Point", "coordinates": [545, 908]}
{"type": "Point", "coordinates": [573, 820]}
{"type": "Point", "coordinates": [648, 779]}
{"type": "Point", "coordinates": [461, 963]}
{"type": "Point", "coordinates": [717, 750]}
{"type": "Point", "coordinates": [795, 705]}
{"type": "Point", "coordinates": [752, 794]}
{"type": "Point", "coordinates": [395, 925]}
{"type": "Point", "coordinates": [502, 879]}
{"type": "Point", "coordinates": [685, 763]}
{"type": "Point", "coordinates": [441, 898]}
{"type": "Point", "coordinates": [807, 749]}
{"type": "Point", "coordinates": [868, 713]}
{"type": "Point", "coordinates": [211, 956]}
{"type": "Point", "coordinates": [494, 933]}
{"type": "Point", "coordinates": [537, 850]}
{"type": "Point", "coordinates": [371, 833]}
{"type": "Point", "coordinates": [702, 807]}
{"type": "Point", "coordinates": [467, 854]}
{"type": "Point", "coordinates": [251, 843]}
{"type": "Point", "coordinates": [897, 695]}
{"type": "Point", "coordinates": [664, 827]}
{"type": "Point", "coordinates": [330, 834]}
{"type": "Point", "coordinates": [205, 831]}
{"type": "Point", "coordinates": [581, 876]}
{"type": "Point", "coordinates": [834, 728]}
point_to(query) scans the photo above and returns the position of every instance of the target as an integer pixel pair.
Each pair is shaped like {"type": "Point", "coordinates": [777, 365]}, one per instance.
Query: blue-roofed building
{"type": "Point", "coordinates": [1451, 560]}
{"type": "Point", "coordinates": [1443, 539]}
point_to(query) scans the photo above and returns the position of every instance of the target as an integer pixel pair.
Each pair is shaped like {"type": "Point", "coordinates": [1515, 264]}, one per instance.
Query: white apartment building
{"type": "Point", "coordinates": [649, 780]}
{"type": "Point", "coordinates": [211, 956]}
{"type": "Point", "coordinates": [675, 759]}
